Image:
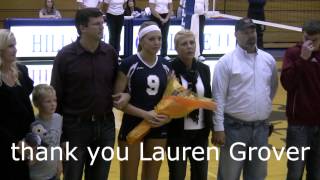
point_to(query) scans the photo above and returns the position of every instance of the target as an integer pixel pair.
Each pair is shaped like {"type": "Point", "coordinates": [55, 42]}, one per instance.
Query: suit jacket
{"type": "Point", "coordinates": [176, 126]}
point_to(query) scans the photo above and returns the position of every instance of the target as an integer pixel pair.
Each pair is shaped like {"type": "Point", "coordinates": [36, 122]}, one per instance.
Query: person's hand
{"type": "Point", "coordinates": [306, 50]}
{"type": "Point", "coordinates": [171, 75]}
{"type": "Point", "coordinates": [63, 147]}
{"type": "Point", "coordinates": [31, 160]}
{"type": "Point", "coordinates": [25, 144]}
{"type": "Point", "coordinates": [19, 145]}
{"type": "Point", "coordinates": [164, 119]}
{"type": "Point", "coordinates": [156, 120]}
{"type": "Point", "coordinates": [218, 138]}
{"type": "Point", "coordinates": [121, 100]}
{"type": "Point", "coordinates": [163, 21]}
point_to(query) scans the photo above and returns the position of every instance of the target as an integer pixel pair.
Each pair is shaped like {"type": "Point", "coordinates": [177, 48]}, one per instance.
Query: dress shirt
{"type": "Point", "coordinates": [84, 80]}
{"type": "Point", "coordinates": [244, 85]}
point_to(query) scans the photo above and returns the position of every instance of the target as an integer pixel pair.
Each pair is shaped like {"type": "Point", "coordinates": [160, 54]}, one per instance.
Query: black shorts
{"type": "Point", "coordinates": [130, 122]}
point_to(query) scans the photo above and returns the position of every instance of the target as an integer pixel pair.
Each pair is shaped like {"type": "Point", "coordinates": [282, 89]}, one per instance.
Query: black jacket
{"type": "Point", "coordinates": [176, 126]}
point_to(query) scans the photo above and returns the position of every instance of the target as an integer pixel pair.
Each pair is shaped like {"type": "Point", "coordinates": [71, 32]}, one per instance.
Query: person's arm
{"type": "Point", "coordinates": [59, 170]}
{"type": "Point", "coordinates": [119, 87]}
{"type": "Point", "coordinates": [56, 80]}
{"type": "Point", "coordinates": [219, 89]}
{"type": "Point", "coordinates": [42, 15]}
{"type": "Point", "coordinates": [80, 4]}
{"type": "Point", "coordinates": [124, 5]}
{"type": "Point", "coordinates": [30, 158]}
{"type": "Point", "coordinates": [103, 5]}
{"type": "Point", "coordinates": [182, 4]}
{"type": "Point", "coordinates": [170, 12]}
{"type": "Point", "coordinates": [132, 7]}
{"type": "Point", "coordinates": [28, 82]}
{"type": "Point", "coordinates": [293, 65]}
{"type": "Point", "coordinates": [100, 4]}
{"type": "Point", "coordinates": [48, 16]}
{"type": "Point", "coordinates": [106, 5]}
{"type": "Point", "coordinates": [206, 6]}
{"type": "Point", "coordinates": [58, 14]}
{"type": "Point", "coordinates": [274, 80]}
{"type": "Point", "coordinates": [153, 118]}
{"type": "Point", "coordinates": [120, 99]}
{"type": "Point", "coordinates": [154, 13]}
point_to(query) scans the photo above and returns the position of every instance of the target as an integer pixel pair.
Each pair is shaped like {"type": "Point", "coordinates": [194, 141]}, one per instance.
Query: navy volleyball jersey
{"type": "Point", "coordinates": [146, 85]}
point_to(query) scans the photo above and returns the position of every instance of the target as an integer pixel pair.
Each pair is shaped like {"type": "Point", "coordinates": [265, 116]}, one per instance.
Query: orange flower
{"type": "Point", "coordinates": [177, 102]}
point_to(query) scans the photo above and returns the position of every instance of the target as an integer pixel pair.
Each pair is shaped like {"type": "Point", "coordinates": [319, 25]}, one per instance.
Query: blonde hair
{"type": "Point", "coordinates": [6, 37]}
{"type": "Point", "coordinates": [40, 91]}
{"type": "Point", "coordinates": [144, 25]}
{"type": "Point", "coordinates": [182, 34]}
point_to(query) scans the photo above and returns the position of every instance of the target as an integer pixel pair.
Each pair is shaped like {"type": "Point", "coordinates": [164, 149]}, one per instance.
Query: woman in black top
{"type": "Point", "coordinates": [15, 107]}
{"type": "Point", "coordinates": [191, 131]}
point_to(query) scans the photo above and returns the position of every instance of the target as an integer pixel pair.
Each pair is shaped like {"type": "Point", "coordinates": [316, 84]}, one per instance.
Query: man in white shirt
{"type": "Point", "coordinates": [88, 3]}
{"type": "Point", "coordinates": [244, 84]}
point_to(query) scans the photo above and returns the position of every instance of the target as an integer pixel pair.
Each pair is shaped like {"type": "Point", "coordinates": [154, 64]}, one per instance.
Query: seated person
{"type": "Point", "coordinates": [49, 11]}
{"type": "Point", "coordinates": [131, 9]}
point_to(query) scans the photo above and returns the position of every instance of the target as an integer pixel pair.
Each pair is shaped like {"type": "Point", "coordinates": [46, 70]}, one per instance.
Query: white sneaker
{"type": "Point", "coordinates": [167, 58]}
{"type": "Point", "coordinates": [201, 58]}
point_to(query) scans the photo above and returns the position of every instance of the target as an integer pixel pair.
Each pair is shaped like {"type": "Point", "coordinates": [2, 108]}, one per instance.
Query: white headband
{"type": "Point", "coordinates": [148, 29]}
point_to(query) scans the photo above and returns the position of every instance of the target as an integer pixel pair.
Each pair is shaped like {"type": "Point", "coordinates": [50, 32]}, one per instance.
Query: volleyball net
{"type": "Point", "coordinates": [283, 18]}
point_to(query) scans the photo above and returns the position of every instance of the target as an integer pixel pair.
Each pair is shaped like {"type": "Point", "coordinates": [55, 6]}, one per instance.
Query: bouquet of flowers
{"type": "Point", "coordinates": [177, 102]}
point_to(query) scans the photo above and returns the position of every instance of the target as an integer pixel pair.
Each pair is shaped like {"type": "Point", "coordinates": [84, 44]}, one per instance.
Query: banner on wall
{"type": "Point", "coordinates": [218, 39]}
{"type": "Point", "coordinates": [43, 38]}
{"type": "Point", "coordinates": [46, 41]}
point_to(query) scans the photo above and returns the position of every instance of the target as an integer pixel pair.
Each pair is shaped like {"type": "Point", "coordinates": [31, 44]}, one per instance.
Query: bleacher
{"type": "Point", "coordinates": [288, 12]}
